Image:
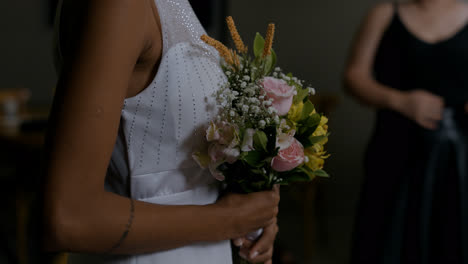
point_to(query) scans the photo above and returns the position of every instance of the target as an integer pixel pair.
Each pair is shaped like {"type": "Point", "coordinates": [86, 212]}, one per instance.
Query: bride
{"type": "Point", "coordinates": [133, 95]}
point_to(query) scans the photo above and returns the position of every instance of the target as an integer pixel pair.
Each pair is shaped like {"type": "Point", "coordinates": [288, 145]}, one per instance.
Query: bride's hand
{"type": "Point", "coordinates": [260, 251]}
{"type": "Point", "coordinates": [248, 212]}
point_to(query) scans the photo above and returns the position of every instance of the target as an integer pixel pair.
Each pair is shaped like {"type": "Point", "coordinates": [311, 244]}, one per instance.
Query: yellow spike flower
{"type": "Point", "coordinates": [223, 50]}
{"type": "Point", "coordinates": [235, 35]}
{"type": "Point", "coordinates": [269, 39]}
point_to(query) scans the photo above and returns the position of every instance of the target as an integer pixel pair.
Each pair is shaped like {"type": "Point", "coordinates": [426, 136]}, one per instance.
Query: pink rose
{"type": "Point", "coordinates": [289, 158]}
{"type": "Point", "coordinates": [281, 93]}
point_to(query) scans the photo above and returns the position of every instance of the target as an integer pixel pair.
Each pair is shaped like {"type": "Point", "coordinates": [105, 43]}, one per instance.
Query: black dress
{"type": "Point", "coordinates": [414, 204]}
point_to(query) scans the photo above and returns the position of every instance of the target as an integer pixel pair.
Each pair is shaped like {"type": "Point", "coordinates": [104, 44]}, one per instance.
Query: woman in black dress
{"type": "Point", "coordinates": [411, 62]}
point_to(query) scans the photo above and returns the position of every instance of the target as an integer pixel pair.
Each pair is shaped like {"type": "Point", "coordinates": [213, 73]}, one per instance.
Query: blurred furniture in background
{"type": "Point", "coordinates": [12, 104]}
{"type": "Point", "coordinates": [22, 132]}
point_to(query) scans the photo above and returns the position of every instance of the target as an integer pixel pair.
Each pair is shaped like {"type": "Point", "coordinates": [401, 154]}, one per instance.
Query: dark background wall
{"type": "Point", "coordinates": [25, 48]}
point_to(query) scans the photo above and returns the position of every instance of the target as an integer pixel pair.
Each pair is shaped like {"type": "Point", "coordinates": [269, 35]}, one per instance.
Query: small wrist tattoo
{"type": "Point", "coordinates": [127, 228]}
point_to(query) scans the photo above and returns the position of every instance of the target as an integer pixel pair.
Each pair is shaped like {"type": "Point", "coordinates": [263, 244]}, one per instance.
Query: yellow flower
{"type": "Point", "coordinates": [315, 156]}
{"type": "Point", "coordinates": [322, 130]}
{"type": "Point", "coordinates": [324, 121]}
{"type": "Point", "coordinates": [315, 163]}
{"type": "Point", "coordinates": [295, 111]}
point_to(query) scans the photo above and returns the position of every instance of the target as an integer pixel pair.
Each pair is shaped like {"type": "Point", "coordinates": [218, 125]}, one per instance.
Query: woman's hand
{"type": "Point", "coordinates": [260, 251]}
{"type": "Point", "coordinates": [424, 108]}
{"type": "Point", "coordinates": [249, 212]}
{"type": "Point", "coordinates": [466, 107]}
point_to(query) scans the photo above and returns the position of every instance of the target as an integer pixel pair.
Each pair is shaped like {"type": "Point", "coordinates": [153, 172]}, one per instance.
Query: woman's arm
{"type": "Point", "coordinates": [421, 106]}
{"type": "Point", "coordinates": [79, 215]}
{"type": "Point", "coordinates": [358, 73]}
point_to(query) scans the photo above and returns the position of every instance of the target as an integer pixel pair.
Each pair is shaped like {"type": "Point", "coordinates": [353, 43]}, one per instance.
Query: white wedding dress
{"type": "Point", "coordinates": [159, 130]}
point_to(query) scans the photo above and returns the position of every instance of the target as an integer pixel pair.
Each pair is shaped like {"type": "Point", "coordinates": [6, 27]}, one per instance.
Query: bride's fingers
{"type": "Point", "coordinates": [260, 258]}
{"type": "Point", "coordinates": [264, 257]}
{"type": "Point", "coordinates": [238, 242]}
{"type": "Point", "coordinates": [265, 242]}
{"type": "Point", "coordinates": [247, 245]}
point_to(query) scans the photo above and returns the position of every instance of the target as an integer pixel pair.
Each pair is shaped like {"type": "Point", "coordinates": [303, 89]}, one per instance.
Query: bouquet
{"type": "Point", "coordinates": [267, 130]}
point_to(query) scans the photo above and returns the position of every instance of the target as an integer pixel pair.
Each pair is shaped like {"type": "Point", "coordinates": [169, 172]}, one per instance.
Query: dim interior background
{"type": "Point", "coordinates": [312, 41]}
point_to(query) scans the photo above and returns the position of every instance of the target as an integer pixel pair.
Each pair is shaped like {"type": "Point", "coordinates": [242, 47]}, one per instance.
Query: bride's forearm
{"type": "Point", "coordinates": [98, 225]}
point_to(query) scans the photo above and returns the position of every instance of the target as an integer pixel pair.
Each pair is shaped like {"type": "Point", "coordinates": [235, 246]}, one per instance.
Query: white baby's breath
{"type": "Point", "coordinates": [311, 90]}
{"type": "Point", "coordinates": [277, 120]}
{"type": "Point", "coordinates": [262, 123]}
{"type": "Point", "coordinates": [242, 101]}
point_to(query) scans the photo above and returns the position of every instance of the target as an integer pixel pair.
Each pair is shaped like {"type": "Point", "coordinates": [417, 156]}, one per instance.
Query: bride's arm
{"type": "Point", "coordinates": [79, 215]}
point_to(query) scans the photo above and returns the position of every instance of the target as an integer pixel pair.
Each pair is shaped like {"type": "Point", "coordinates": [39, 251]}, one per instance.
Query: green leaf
{"type": "Point", "coordinates": [307, 171]}
{"type": "Point", "coordinates": [258, 171]}
{"type": "Point", "coordinates": [301, 94]}
{"type": "Point", "coordinates": [306, 110]}
{"type": "Point", "coordinates": [321, 173]}
{"type": "Point", "coordinates": [273, 60]}
{"type": "Point", "coordinates": [313, 120]}
{"type": "Point", "coordinates": [253, 158]}
{"type": "Point", "coordinates": [316, 139]}
{"type": "Point", "coordinates": [297, 176]}
{"type": "Point", "coordinates": [309, 126]}
{"type": "Point", "coordinates": [260, 140]}
{"type": "Point", "coordinates": [270, 62]}
{"type": "Point", "coordinates": [270, 131]}
{"type": "Point", "coordinates": [305, 141]}
{"type": "Point", "coordinates": [259, 44]}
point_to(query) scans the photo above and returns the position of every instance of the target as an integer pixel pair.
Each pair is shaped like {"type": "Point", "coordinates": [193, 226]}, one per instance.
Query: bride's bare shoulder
{"type": "Point", "coordinates": [76, 17]}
